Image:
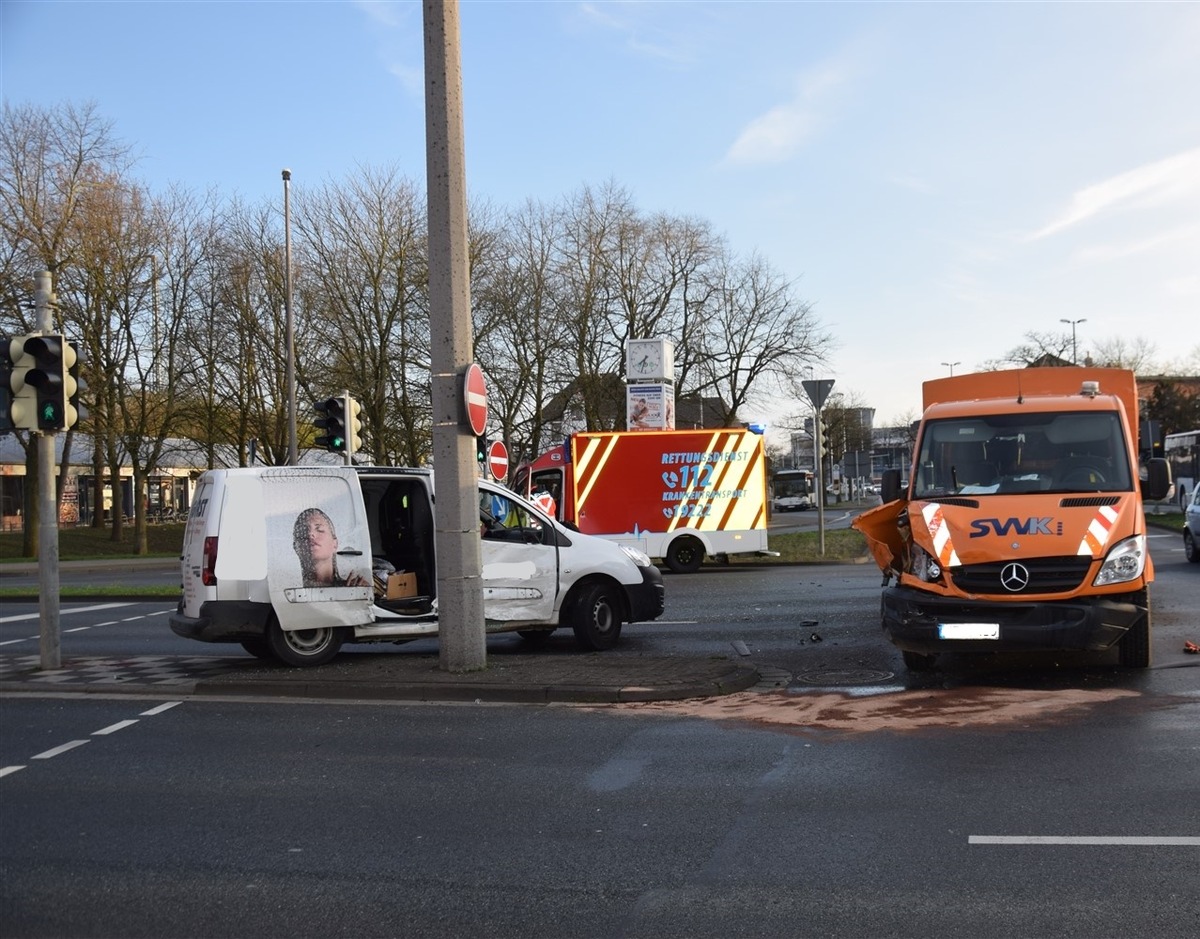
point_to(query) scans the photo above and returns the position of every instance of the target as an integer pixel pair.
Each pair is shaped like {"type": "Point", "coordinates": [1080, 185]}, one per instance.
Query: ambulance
{"type": "Point", "coordinates": [1022, 524]}
{"type": "Point", "coordinates": [679, 495]}
{"type": "Point", "coordinates": [292, 562]}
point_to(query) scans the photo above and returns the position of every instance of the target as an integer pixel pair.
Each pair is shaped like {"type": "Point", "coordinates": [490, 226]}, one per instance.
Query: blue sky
{"type": "Point", "coordinates": [939, 178]}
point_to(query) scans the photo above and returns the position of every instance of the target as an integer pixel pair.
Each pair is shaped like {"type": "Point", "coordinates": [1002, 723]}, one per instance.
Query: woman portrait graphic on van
{"type": "Point", "coordinates": [316, 544]}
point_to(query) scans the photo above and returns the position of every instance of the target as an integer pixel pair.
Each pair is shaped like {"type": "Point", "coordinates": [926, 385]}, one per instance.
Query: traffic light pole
{"type": "Point", "coordinates": [50, 644]}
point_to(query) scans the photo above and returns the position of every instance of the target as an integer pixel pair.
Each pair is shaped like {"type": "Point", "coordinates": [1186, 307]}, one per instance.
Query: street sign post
{"type": "Point", "coordinates": [818, 390]}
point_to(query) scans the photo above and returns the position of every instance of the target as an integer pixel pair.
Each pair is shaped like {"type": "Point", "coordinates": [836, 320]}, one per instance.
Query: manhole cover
{"type": "Point", "coordinates": [845, 676]}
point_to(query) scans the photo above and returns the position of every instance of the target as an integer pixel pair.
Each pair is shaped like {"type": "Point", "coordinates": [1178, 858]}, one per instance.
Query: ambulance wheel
{"type": "Point", "coordinates": [1133, 651]}
{"type": "Point", "coordinates": [303, 647]}
{"type": "Point", "coordinates": [596, 618]}
{"type": "Point", "coordinates": [257, 648]}
{"type": "Point", "coordinates": [917, 662]}
{"type": "Point", "coordinates": [685, 555]}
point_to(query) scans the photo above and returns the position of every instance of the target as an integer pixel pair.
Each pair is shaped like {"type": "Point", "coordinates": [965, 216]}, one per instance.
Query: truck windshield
{"type": "Point", "coordinates": [1004, 453]}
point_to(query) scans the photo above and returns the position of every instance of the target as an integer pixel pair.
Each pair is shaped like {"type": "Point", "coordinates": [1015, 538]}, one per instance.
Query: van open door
{"type": "Point", "coordinates": [318, 548]}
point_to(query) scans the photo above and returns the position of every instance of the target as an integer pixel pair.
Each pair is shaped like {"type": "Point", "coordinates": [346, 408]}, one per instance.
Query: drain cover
{"type": "Point", "coordinates": [845, 676]}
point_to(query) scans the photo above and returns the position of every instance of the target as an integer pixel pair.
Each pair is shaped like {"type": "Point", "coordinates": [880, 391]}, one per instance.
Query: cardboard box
{"type": "Point", "coordinates": [401, 585]}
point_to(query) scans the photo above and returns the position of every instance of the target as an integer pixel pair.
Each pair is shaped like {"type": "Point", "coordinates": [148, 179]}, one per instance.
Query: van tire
{"type": "Point", "coordinates": [303, 647]}
{"type": "Point", "coordinates": [685, 555]}
{"type": "Point", "coordinates": [1133, 650]}
{"type": "Point", "coordinates": [596, 618]}
{"type": "Point", "coordinates": [257, 648]}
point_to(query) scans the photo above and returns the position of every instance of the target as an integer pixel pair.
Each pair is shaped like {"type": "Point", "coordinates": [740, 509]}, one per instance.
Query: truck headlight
{"type": "Point", "coordinates": [924, 566]}
{"type": "Point", "coordinates": [1126, 561]}
{"type": "Point", "coordinates": [638, 557]}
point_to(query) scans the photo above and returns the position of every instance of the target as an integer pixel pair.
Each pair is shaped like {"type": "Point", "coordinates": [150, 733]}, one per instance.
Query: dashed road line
{"type": "Point", "coordinates": [112, 728]}
{"type": "Point", "coordinates": [56, 751]}
{"type": "Point", "coordinates": [1150, 840]}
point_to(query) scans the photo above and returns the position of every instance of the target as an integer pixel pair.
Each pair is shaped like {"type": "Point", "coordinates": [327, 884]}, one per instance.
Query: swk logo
{"type": "Point", "coordinates": [1046, 525]}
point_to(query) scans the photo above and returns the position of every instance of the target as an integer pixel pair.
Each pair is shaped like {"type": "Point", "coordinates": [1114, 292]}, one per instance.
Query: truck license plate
{"type": "Point", "coordinates": [968, 630]}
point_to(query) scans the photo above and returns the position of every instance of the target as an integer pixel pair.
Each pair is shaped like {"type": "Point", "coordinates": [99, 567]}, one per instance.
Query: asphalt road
{"type": "Point", "coordinates": [1009, 797]}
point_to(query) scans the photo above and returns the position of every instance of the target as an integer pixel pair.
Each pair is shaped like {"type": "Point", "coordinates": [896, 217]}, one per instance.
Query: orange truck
{"type": "Point", "coordinates": [678, 495]}
{"type": "Point", "coordinates": [1021, 526]}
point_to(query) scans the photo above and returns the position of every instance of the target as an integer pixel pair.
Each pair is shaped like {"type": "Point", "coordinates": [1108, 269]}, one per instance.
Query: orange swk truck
{"type": "Point", "coordinates": [1022, 525]}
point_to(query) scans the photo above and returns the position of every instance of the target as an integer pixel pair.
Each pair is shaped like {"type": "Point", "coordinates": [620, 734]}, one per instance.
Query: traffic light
{"type": "Point", "coordinates": [482, 445]}
{"type": "Point", "coordinates": [75, 385]}
{"type": "Point", "coordinates": [351, 411]}
{"type": "Point", "coordinates": [38, 381]}
{"type": "Point", "coordinates": [826, 435]}
{"type": "Point", "coordinates": [331, 419]}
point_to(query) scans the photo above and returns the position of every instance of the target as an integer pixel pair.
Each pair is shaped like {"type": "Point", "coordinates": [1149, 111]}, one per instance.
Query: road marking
{"type": "Point", "coordinates": [1152, 840]}
{"type": "Point", "coordinates": [47, 754]}
{"type": "Point", "coordinates": [9, 770]}
{"type": "Point", "coordinates": [63, 612]}
{"type": "Point", "coordinates": [77, 629]}
{"type": "Point", "coordinates": [160, 708]}
{"type": "Point", "coordinates": [112, 728]}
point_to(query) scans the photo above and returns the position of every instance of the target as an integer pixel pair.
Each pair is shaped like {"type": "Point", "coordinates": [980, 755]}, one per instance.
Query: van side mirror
{"type": "Point", "coordinates": [889, 486]}
{"type": "Point", "coordinates": [1157, 483]}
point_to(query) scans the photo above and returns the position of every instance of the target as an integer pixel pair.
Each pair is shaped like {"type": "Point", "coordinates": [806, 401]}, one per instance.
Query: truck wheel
{"type": "Point", "coordinates": [596, 618]}
{"type": "Point", "coordinates": [1133, 651]}
{"type": "Point", "coordinates": [917, 662]}
{"type": "Point", "coordinates": [685, 555]}
{"type": "Point", "coordinates": [303, 647]}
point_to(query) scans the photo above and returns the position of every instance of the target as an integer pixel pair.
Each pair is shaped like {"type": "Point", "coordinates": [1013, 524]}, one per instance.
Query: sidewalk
{"type": "Point", "coordinates": [539, 678]}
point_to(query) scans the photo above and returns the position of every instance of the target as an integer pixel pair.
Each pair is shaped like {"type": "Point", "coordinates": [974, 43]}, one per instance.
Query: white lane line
{"type": "Point", "coordinates": [9, 770]}
{"type": "Point", "coordinates": [65, 611]}
{"type": "Point", "coordinates": [112, 728]}
{"type": "Point", "coordinates": [160, 708]}
{"type": "Point", "coordinates": [1152, 840]}
{"type": "Point", "coordinates": [47, 754]}
{"type": "Point", "coordinates": [77, 629]}
{"type": "Point", "coordinates": [9, 642]}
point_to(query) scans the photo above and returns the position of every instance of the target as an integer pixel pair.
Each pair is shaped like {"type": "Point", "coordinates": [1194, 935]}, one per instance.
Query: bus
{"type": "Point", "coordinates": [1182, 452]}
{"type": "Point", "coordinates": [792, 490]}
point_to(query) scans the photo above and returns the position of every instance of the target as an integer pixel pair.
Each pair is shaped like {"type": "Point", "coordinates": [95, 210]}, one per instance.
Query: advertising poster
{"type": "Point", "coordinates": [650, 407]}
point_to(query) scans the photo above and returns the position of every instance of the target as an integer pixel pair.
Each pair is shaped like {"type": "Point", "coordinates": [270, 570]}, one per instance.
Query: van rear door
{"type": "Point", "coordinates": [318, 547]}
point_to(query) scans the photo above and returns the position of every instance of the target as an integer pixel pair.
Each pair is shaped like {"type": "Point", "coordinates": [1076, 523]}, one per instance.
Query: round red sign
{"type": "Point", "coordinates": [498, 460]}
{"type": "Point", "coordinates": [475, 399]}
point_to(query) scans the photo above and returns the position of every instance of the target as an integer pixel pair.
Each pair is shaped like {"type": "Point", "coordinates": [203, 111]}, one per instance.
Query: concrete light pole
{"type": "Point", "coordinates": [1074, 357]}
{"type": "Point", "coordinates": [951, 366]}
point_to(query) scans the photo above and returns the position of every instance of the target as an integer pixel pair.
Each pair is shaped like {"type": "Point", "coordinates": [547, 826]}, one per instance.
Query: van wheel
{"type": "Point", "coordinates": [303, 647]}
{"type": "Point", "coordinates": [257, 648]}
{"type": "Point", "coordinates": [1133, 651]}
{"type": "Point", "coordinates": [684, 555]}
{"type": "Point", "coordinates": [596, 618]}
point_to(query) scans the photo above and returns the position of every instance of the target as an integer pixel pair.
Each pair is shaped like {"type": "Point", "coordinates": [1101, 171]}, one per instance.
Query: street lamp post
{"type": "Point", "coordinates": [1074, 356]}
{"type": "Point", "coordinates": [951, 365]}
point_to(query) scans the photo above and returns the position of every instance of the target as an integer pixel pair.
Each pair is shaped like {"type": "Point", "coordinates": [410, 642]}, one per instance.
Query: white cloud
{"type": "Point", "coordinates": [1158, 183]}
{"type": "Point", "coordinates": [781, 132]}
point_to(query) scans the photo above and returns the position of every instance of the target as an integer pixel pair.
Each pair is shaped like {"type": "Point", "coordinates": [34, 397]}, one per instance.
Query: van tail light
{"type": "Point", "coordinates": [208, 574]}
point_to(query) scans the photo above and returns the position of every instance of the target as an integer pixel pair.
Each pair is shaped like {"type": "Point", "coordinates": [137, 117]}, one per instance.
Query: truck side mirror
{"type": "Point", "coordinates": [889, 486]}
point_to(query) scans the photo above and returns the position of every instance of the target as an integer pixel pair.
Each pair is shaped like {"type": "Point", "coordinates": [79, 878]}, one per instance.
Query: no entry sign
{"type": "Point", "coordinates": [498, 460]}
{"type": "Point", "coordinates": [475, 399]}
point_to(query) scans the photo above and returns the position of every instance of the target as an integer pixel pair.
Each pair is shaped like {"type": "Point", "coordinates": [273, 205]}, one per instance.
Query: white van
{"type": "Point", "coordinates": [291, 562]}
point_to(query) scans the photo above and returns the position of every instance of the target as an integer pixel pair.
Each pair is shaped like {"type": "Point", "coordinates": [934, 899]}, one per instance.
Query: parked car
{"type": "Point", "coordinates": [1191, 528]}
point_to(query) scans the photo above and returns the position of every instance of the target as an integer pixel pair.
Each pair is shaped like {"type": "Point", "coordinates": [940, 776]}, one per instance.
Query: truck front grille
{"type": "Point", "coordinates": [1043, 575]}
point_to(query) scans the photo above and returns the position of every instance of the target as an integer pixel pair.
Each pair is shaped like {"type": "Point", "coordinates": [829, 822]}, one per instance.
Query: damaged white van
{"type": "Point", "coordinates": [292, 562]}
